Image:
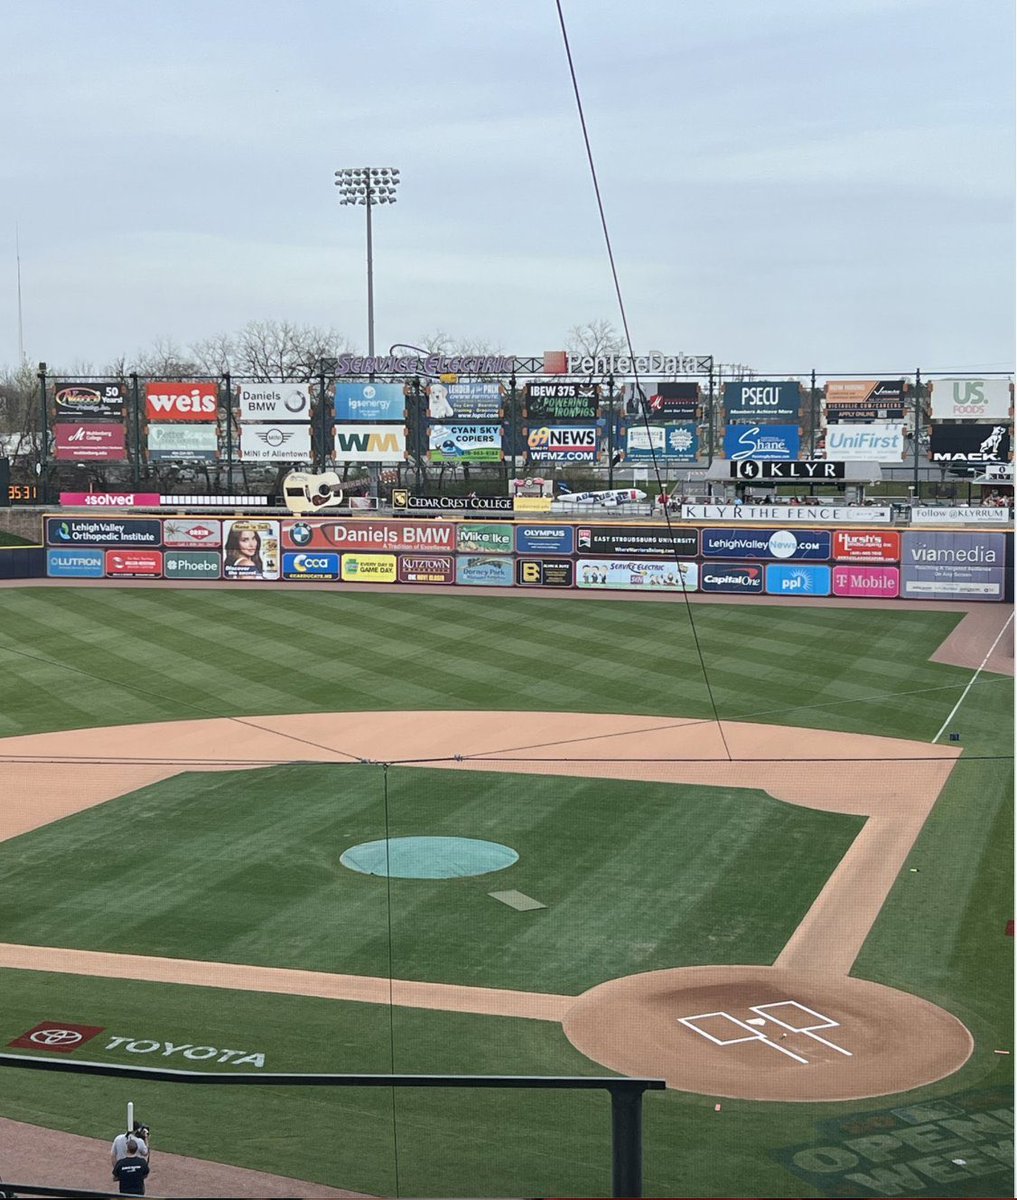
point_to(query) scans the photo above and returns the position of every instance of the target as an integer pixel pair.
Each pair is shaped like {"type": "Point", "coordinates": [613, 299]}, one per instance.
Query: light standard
{"type": "Point", "coordinates": [368, 186]}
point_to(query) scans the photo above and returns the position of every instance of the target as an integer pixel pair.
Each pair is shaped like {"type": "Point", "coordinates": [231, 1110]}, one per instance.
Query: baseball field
{"type": "Point", "coordinates": [763, 852]}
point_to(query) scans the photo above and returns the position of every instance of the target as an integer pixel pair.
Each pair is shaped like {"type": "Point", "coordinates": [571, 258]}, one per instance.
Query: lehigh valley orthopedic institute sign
{"type": "Point", "coordinates": [809, 470]}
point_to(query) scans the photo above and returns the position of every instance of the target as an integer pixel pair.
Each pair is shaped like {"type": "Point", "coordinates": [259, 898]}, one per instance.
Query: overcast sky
{"type": "Point", "coordinates": [788, 183]}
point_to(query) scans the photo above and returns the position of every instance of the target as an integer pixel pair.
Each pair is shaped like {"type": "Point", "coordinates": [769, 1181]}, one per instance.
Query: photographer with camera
{"type": "Point", "coordinates": [140, 1135]}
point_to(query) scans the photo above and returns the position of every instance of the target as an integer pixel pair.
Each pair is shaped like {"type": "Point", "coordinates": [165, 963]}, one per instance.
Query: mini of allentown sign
{"type": "Point", "coordinates": [812, 470]}
{"type": "Point", "coordinates": [401, 499]}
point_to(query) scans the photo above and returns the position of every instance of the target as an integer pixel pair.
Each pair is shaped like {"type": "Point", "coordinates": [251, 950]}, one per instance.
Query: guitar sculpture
{"type": "Point", "coordinates": [306, 493]}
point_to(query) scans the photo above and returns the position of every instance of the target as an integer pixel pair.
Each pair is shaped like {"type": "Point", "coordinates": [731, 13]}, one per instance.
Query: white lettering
{"type": "Point", "coordinates": [256, 1060]}
{"type": "Point", "coordinates": [143, 1046]}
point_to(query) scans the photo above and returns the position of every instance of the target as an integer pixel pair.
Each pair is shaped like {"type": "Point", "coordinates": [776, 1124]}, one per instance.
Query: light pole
{"type": "Point", "coordinates": [368, 186]}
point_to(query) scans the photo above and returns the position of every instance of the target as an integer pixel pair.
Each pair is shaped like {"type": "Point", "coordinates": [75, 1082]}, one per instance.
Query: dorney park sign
{"type": "Point", "coordinates": [552, 362]}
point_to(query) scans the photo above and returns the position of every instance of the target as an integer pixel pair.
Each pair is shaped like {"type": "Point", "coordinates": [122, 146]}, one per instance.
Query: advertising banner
{"type": "Point", "coordinates": [88, 402]}
{"type": "Point", "coordinates": [865, 443]}
{"type": "Point", "coordinates": [65, 531]}
{"type": "Point", "coordinates": [865, 399]}
{"type": "Point", "coordinates": [275, 443]}
{"type": "Point", "coordinates": [562, 443]}
{"type": "Point", "coordinates": [82, 563]}
{"type": "Point", "coordinates": [730, 577]}
{"type": "Point", "coordinates": [679, 400]}
{"type": "Point", "coordinates": [304, 566]}
{"type": "Point", "coordinates": [194, 532]}
{"type": "Point", "coordinates": [464, 443]}
{"type": "Point", "coordinates": [426, 568]}
{"type": "Point", "coordinates": [866, 545]}
{"type": "Point", "coordinates": [883, 583]}
{"type": "Point", "coordinates": [134, 564]}
{"type": "Point", "coordinates": [473, 401]}
{"type": "Point", "coordinates": [192, 564]}
{"type": "Point", "coordinates": [484, 571]}
{"type": "Point", "coordinates": [562, 401]}
{"type": "Point", "coordinates": [545, 539]}
{"type": "Point", "coordinates": [545, 572]}
{"type": "Point", "coordinates": [942, 515]}
{"type": "Point", "coordinates": [972, 400]}
{"type": "Point", "coordinates": [851, 414]}
{"type": "Point", "coordinates": [181, 401]}
{"type": "Point", "coordinates": [808, 470]}
{"type": "Point", "coordinates": [370, 443]}
{"type": "Point", "coordinates": [369, 568]}
{"type": "Point", "coordinates": [273, 401]}
{"type": "Point", "coordinates": [636, 574]}
{"type": "Point", "coordinates": [674, 443]}
{"type": "Point", "coordinates": [762, 401]}
{"type": "Point", "coordinates": [250, 549]}
{"type": "Point", "coordinates": [953, 566]}
{"type": "Point", "coordinates": [969, 443]}
{"type": "Point", "coordinates": [766, 543]}
{"type": "Point", "coordinates": [636, 541]}
{"type": "Point", "coordinates": [109, 499]}
{"type": "Point", "coordinates": [402, 499]}
{"type": "Point", "coordinates": [368, 535]}
{"type": "Point", "coordinates": [370, 402]}
{"type": "Point", "coordinates": [192, 443]}
{"type": "Point", "coordinates": [79, 442]}
{"type": "Point", "coordinates": [761, 441]}
{"type": "Point", "coordinates": [807, 514]}
{"type": "Point", "coordinates": [782, 580]}
{"type": "Point", "coordinates": [484, 539]}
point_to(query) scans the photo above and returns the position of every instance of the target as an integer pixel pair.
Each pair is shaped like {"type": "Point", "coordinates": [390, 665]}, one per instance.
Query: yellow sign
{"type": "Point", "coordinates": [368, 568]}
{"type": "Point", "coordinates": [400, 497]}
{"type": "Point", "coordinates": [448, 378]}
{"type": "Point", "coordinates": [531, 504]}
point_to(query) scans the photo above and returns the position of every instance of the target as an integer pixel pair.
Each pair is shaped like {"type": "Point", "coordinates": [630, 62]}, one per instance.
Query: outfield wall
{"type": "Point", "coordinates": [911, 564]}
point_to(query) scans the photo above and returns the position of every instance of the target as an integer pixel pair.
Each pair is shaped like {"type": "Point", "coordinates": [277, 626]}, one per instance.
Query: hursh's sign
{"type": "Point", "coordinates": [181, 401]}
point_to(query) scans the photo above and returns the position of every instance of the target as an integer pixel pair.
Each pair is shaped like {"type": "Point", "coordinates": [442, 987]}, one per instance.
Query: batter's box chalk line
{"type": "Point", "coordinates": [765, 1013]}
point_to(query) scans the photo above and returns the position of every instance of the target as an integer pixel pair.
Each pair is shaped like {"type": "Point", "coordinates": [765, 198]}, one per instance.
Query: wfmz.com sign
{"type": "Point", "coordinates": [370, 443]}
{"type": "Point", "coordinates": [808, 470]}
{"type": "Point", "coordinates": [762, 400]}
{"type": "Point", "coordinates": [809, 514]}
{"type": "Point", "coordinates": [561, 401]}
{"type": "Point", "coordinates": [562, 443]}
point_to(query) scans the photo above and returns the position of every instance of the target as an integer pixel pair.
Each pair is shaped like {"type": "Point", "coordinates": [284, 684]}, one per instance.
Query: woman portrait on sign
{"type": "Point", "coordinates": [243, 549]}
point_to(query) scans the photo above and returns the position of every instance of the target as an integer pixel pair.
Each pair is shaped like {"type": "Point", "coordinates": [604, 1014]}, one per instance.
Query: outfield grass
{"type": "Point", "coordinates": [134, 876]}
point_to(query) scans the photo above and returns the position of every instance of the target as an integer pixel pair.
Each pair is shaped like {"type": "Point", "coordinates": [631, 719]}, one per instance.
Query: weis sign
{"type": "Point", "coordinates": [181, 401]}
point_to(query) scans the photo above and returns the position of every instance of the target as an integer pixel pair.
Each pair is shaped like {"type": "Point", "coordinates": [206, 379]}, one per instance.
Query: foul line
{"type": "Point", "coordinates": [981, 667]}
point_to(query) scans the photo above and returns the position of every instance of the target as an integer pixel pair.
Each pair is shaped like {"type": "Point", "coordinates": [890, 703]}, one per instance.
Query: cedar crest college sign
{"type": "Point", "coordinates": [402, 501]}
{"type": "Point", "coordinates": [810, 470]}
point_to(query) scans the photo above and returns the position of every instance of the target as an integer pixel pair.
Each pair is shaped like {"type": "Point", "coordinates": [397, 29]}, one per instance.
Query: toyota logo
{"type": "Point", "coordinates": [56, 1037]}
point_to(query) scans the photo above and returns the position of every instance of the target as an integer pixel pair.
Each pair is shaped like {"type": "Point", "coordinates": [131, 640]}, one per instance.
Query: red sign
{"type": "Point", "coordinates": [56, 1037]}
{"type": "Point", "coordinates": [881, 582]}
{"type": "Point", "coordinates": [110, 499]}
{"type": "Point", "coordinates": [132, 563]}
{"type": "Point", "coordinates": [181, 401]}
{"type": "Point", "coordinates": [79, 441]}
{"type": "Point", "coordinates": [426, 537]}
{"type": "Point", "coordinates": [866, 545]}
{"type": "Point", "coordinates": [427, 568]}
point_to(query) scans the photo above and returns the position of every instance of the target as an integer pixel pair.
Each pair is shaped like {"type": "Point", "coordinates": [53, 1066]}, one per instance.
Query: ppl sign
{"type": "Point", "coordinates": [812, 470]}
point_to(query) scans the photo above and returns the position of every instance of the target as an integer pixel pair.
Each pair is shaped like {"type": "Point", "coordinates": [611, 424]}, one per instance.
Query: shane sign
{"type": "Point", "coordinates": [811, 470]}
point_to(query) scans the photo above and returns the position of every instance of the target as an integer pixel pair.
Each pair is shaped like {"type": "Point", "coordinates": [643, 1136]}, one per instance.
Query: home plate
{"type": "Point", "coordinates": [517, 900]}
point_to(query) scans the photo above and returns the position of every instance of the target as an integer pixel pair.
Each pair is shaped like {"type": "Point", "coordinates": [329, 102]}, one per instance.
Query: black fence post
{"type": "Point", "coordinates": [812, 417]}
{"type": "Point", "coordinates": [610, 431]}
{"type": "Point", "coordinates": [44, 437]}
{"type": "Point", "coordinates": [227, 380]}
{"type": "Point", "coordinates": [322, 419]}
{"type": "Point", "coordinates": [135, 407]}
{"type": "Point", "coordinates": [513, 432]}
{"type": "Point", "coordinates": [916, 440]}
{"type": "Point", "coordinates": [627, 1141]}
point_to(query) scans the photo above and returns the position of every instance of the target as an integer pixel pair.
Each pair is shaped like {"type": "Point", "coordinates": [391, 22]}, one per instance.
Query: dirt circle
{"type": "Point", "coordinates": [894, 1041]}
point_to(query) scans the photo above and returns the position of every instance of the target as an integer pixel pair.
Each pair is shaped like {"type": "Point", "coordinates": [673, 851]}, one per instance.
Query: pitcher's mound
{"type": "Point", "coordinates": [767, 1033]}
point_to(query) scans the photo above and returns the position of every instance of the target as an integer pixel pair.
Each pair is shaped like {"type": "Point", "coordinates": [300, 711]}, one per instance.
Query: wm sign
{"type": "Point", "coordinates": [370, 443]}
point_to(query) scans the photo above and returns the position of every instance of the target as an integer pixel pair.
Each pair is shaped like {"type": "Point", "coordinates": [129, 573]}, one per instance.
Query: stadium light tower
{"type": "Point", "coordinates": [368, 186]}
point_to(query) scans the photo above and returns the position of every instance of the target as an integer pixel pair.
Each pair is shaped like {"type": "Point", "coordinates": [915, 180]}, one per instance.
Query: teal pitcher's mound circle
{"type": "Point", "coordinates": [428, 857]}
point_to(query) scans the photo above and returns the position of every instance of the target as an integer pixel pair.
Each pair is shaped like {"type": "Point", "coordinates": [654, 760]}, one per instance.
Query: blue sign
{"type": "Point", "coordinates": [472, 401]}
{"type": "Point", "coordinates": [484, 570]}
{"type": "Point", "coordinates": [310, 564]}
{"type": "Point", "coordinates": [953, 566]}
{"type": "Point", "coordinates": [545, 539]}
{"type": "Point", "coordinates": [674, 442]}
{"type": "Point", "coordinates": [103, 531]}
{"type": "Point", "coordinates": [761, 441]}
{"type": "Point", "coordinates": [370, 402]}
{"type": "Point", "coordinates": [786, 580]}
{"type": "Point", "coordinates": [762, 400]}
{"type": "Point", "coordinates": [730, 577]}
{"type": "Point", "coordinates": [766, 543]}
{"type": "Point", "coordinates": [81, 563]}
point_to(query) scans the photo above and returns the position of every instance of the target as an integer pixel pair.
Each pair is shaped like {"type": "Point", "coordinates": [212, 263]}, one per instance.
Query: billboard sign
{"type": "Point", "coordinates": [192, 564]}
{"type": "Point", "coordinates": [370, 402]}
{"type": "Point", "coordinates": [952, 565]}
{"type": "Point", "coordinates": [761, 441]}
{"type": "Point", "coordinates": [806, 514]}
{"type": "Point", "coordinates": [370, 443]}
{"type": "Point", "coordinates": [464, 443]}
{"type": "Point", "coordinates": [134, 564]}
{"type": "Point", "coordinates": [181, 401]}
{"type": "Point", "coordinates": [65, 531]}
{"type": "Point", "coordinates": [309, 566]}
{"type": "Point", "coordinates": [193, 443]}
{"type": "Point", "coordinates": [637, 575]}
{"type": "Point", "coordinates": [110, 499]}
{"type": "Point", "coordinates": [82, 563]}
{"type": "Point", "coordinates": [484, 539]}
{"type": "Point", "coordinates": [367, 536]}
{"type": "Point", "coordinates": [676, 443]}
{"type": "Point", "coordinates": [545, 539]}
{"type": "Point", "coordinates": [250, 549]}
{"type": "Point", "coordinates": [865, 399]}
{"type": "Point", "coordinates": [426, 568]}
{"type": "Point", "coordinates": [481, 570]}
{"type": "Point", "coordinates": [766, 543]}
{"type": "Point", "coordinates": [402, 500]}
{"type": "Point", "coordinates": [865, 443]}
{"type": "Point", "coordinates": [798, 580]}
{"type": "Point", "coordinates": [763, 401]}
{"type": "Point", "coordinates": [731, 577]}
{"type": "Point", "coordinates": [971, 399]}
{"type": "Point", "coordinates": [562, 443]}
{"type": "Point", "coordinates": [808, 470]}
{"type": "Point", "coordinates": [369, 568]}
{"type": "Point", "coordinates": [78, 441]}
{"type": "Point", "coordinates": [472, 401]}
{"type": "Point", "coordinates": [274, 401]}
{"type": "Point", "coordinates": [192, 532]}
{"type": "Point", "coordinates": [883, 583]}
{"type": "Point", "coordinates": [942, 515]}
{"type": "Point", "coordinates": [545, 572]}
{"type": "Point", "coordinates": [562, 401]}
{"type": "Point", "coordinates": [88, 402]}
{"type": "Point", "coordinates": [969, 443]}
{"type": "Point", "coordinates": [866, 545]}
{"type": "Point", "coordinates": [679, 400]}
{"type": "Point", "coordinates": [636, 541]}
{"type": "Point", "coordinates": [275, 443]}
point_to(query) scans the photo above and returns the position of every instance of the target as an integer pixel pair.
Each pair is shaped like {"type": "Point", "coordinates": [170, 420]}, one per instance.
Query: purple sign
{"type": "Point", "coordinates": [952, 566]}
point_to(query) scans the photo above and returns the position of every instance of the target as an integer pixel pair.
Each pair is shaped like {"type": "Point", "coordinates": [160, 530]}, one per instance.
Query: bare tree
{"type": "Point", "coordinates": [598, 337]}
{"type": "Point", "coordinates": [440, 342]}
